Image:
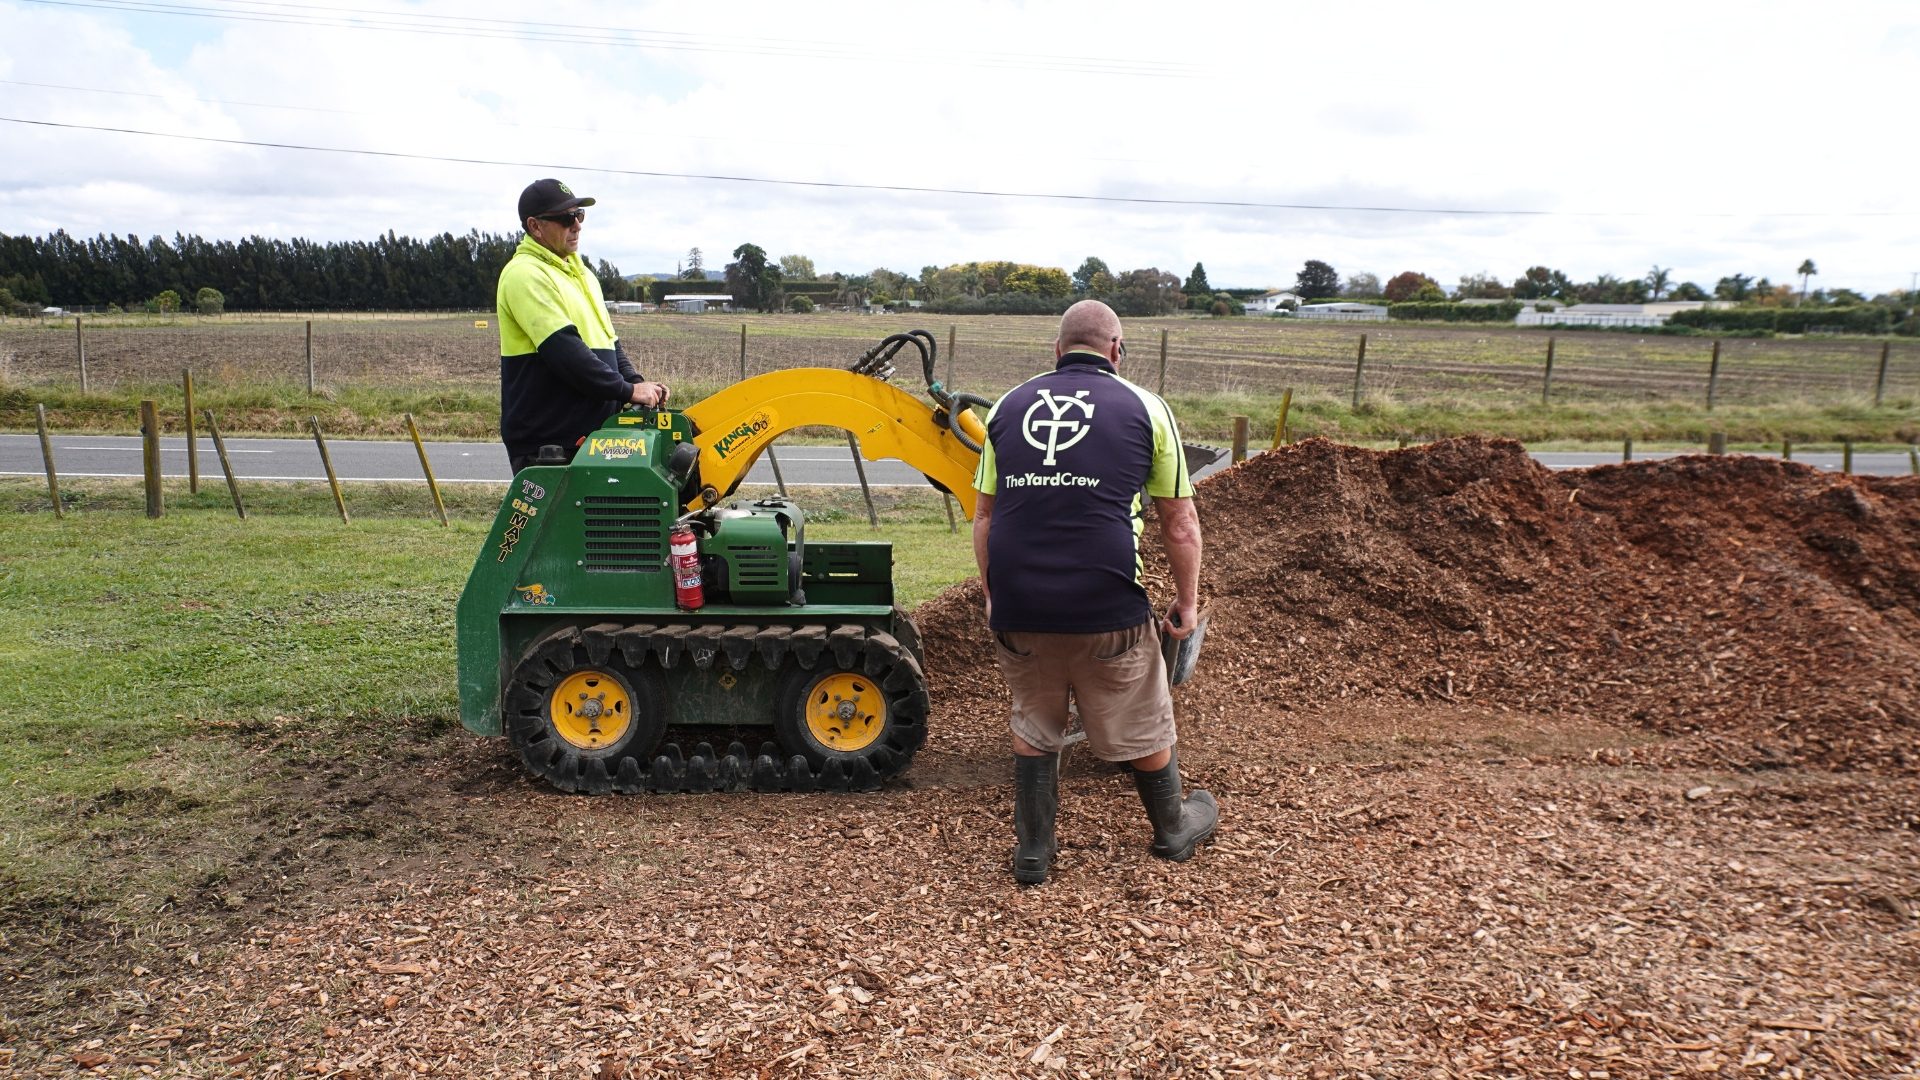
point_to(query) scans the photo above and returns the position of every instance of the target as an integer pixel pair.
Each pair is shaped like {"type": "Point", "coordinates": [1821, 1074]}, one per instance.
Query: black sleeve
{"type": "Point", "coordinates": [627, 370]}
{"type": "Point", "coordinates": [567, 356]}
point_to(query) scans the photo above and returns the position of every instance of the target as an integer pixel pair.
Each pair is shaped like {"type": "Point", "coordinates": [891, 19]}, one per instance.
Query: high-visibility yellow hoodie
{"type": "Point", "coordinates": [562, 371]}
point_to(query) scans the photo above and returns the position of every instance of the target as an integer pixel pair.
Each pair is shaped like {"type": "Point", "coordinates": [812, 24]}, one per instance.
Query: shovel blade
{"type": "Point", "coordinates": [1183, 653]}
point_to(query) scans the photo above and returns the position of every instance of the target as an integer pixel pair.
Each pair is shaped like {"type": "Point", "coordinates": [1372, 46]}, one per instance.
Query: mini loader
{"type": "Point", "coordinates": [795, 672]}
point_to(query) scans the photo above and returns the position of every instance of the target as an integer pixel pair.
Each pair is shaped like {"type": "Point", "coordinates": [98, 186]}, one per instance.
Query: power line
{"type": "Point", "coordinates": [602, 130]}
{"type": "Point", "coordinates": [260, 11]}
{"type": "Point", "coordinates": [919, 190]}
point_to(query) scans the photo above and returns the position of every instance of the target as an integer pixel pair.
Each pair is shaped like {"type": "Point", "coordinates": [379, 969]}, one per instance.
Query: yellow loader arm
{"type": "Point", "coordinates": [738, 424]}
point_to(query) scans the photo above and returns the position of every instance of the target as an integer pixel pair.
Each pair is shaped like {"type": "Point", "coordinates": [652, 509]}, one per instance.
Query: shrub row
{"type": "Point", "coordinates": [1503, 311]}
{"type": "Point", "coordinates": [658, 291]}
{"type": "Point", "coordinates": [1858, 319]}
{"type": "Point", "coordinates": [1002, 304]}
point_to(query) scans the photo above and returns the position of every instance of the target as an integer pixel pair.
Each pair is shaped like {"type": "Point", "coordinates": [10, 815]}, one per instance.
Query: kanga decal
{"type": "Point", "coordinates": [745, 434]}
{"type": "Point", "coordinates": [535, 594]}
{"type": "Point", "coordinates": [616, 448]}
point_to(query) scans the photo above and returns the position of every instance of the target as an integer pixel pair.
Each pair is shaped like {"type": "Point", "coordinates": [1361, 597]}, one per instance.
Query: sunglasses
{"type": "Point", "coordinates": [569, 217]}
{"type": "Point", "coordinates": [1123, 348]}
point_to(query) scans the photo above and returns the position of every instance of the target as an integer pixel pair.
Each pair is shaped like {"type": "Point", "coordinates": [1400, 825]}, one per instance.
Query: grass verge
{"type": "Point", "coordinates": [185, 693]}
{"type": "Point", "coordinates": [267, 409]}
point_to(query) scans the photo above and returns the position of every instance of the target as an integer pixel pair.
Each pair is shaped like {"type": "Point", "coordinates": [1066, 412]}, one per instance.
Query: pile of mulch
{"type": "Point", "coordinates": [1761, 612]}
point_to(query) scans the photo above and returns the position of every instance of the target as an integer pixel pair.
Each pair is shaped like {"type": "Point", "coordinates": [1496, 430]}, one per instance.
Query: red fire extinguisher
{"type": "Point", "coordinates": [685, 561]}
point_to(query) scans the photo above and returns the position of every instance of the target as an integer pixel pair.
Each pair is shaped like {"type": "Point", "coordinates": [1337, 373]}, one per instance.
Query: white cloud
{"type": "Point", "coordinates": [1668, 112]}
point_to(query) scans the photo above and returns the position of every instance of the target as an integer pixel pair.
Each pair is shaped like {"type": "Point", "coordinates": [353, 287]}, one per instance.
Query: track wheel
{"type": "Point", "coordinates": [907, 632]}
{"type": "Point", "coordinates": [839, 716]}
{"type": "Point", "coordinates": [577, 723]}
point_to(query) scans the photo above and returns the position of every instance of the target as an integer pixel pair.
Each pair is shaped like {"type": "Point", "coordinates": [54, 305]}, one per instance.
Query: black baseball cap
{"type": "Point", "coordinates": [548, 197]}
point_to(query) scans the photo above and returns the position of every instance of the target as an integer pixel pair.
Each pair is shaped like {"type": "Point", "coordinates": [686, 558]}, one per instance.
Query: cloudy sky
{"type": "Point", "coordinates": [1711, 138]}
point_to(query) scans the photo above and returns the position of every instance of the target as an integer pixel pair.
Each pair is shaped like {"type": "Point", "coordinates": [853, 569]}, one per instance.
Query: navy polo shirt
{"type": "Point", "coordinates": [1068, 455]}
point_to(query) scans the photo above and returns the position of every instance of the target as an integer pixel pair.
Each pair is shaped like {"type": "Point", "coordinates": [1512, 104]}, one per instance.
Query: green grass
{"type": "Point", "coordinates": [163, 673]}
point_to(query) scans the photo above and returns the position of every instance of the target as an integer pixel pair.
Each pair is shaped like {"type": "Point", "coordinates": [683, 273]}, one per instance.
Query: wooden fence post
{"type": "Point", "coordinates": [326, 462]}
{"type": "Point", "coordinates": [1880, 383]}
{"type": "Point", "coordinates": [1359, 366]}
{"type": "Point", "coordinates": [1626, 450]}
{"type": "Point", "coordinates": [1163, 363]}
{"type": "Point", "coordinates": [1846, 454]}
{"type": "Point", "coordinates": [1239, 439]}
{"type": "Point", "coordinates": [1913, 458]}
{"type": "Point", "coordinates": [953, 350]}
{"type": "Point", "coordinates": [150, 456]}
{"type": "Point", "coordinates": [1786, 449]}
{"type": "Point", "coordinates": [743, 352]}
{"type": "Point", "coordinates": [779, 480]}
{"type": "Point", "coordinates": [309, 357]}
{"type": "Point", "coordinates": [1713, 375]}
{"type": "Point", "coordinates": [46, 451]}
{"type": "Point", "coordinates": [1546, 380]}
{"type": "Point", "coordinates": [860, 468]}
{"type": "Point", "coordinates": [1717, 442]}
{"type": "Point", "coordinates": [433, 486]}
{"type": "Point", "coordinates": [226, 466]}
{"type": "Point", "coordinates": [193, 453]}
{"type": "Point", "coordinates": [80, 350]}
{"type": "Point", "coordinates": [1280, 425]}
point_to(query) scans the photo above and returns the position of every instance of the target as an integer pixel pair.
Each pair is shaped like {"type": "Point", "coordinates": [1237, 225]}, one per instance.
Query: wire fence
{"type": "Point", "coordinates": [445, 351]}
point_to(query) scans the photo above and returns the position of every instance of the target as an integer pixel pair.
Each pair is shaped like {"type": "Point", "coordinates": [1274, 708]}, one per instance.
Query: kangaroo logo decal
{"type": "Point", "coordinates": [1046, 433]}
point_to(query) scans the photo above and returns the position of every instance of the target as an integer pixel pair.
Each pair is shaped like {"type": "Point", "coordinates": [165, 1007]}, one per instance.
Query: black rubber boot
{"type": "Point", "coordinates": [1179, 824]}
{"type": "Point", "coordinates": [1036, 800]}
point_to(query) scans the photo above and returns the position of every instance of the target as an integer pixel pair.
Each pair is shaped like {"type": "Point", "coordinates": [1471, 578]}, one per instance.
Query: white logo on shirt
{"type": "Point", "coordinates": [1045, 433]}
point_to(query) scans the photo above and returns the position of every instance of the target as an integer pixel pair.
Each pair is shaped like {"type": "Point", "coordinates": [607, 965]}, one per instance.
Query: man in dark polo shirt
{"type": "Point", "coordinates": [1056, 531]}
{"type": "Point", "coordinates": [562, 371]}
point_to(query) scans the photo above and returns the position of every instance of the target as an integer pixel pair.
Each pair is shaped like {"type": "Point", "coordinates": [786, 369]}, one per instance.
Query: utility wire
{"type": "Point", "coordinates": [575, 34]}
{"type": "Point", "coordinates": [918, 190]}
{"type": "Point", "coordinates": [649, 135]}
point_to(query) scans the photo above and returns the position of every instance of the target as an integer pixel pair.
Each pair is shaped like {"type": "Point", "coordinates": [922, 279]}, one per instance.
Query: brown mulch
{"type": "Point", "coordinates": [1486, 812]}
{"type": "Point", "coordinates": [1769, 610]}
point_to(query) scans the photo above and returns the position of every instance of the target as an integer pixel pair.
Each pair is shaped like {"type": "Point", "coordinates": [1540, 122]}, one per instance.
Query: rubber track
{"type": "Point", "coordinates": [677, 769]}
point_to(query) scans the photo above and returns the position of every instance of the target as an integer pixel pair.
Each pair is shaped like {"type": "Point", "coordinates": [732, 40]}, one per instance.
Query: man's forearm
{"type": "Point", "coordinates": [1180, 536]}
{"type": "Point", "coordinates": [982, 523]}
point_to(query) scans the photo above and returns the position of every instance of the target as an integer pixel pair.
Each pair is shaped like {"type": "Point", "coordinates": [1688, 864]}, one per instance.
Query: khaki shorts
{"type": "Point", "coordinates": [1118, 678]}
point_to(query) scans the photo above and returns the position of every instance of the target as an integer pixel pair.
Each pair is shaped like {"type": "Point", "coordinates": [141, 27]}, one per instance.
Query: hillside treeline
{"type": "Point", "coordinates": [259, 274]}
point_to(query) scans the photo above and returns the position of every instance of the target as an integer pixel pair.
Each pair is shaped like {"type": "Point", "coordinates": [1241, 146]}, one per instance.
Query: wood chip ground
{"type": "Point", "coordinates": [1599, 774]}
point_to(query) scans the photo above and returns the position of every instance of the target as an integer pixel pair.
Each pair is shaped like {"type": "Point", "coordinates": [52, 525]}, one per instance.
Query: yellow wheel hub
{"type": "Point", "coordinates": [846, 712]}
{"type": "Point", "coordinates": [590, 709]}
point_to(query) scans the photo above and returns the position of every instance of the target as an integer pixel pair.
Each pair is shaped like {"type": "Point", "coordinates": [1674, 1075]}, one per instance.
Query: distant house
{"type": "Point", "coordinates": [625, 307]}
{"type": "Point", "coordinates": [695, 302]}
{"type": "Point", "coordinates": [52, 312]}
{"type": "Point", "coordinates": [1344, 311]}
{"type": "Point", "coordinates": [1270, 301]}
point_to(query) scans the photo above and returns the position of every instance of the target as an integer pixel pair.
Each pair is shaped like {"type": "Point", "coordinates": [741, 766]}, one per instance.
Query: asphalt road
{"type": "Point", "coordinates": [486, 463]}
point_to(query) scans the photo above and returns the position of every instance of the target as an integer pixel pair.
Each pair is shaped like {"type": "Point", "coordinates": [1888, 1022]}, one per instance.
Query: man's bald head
{"type": "Point", "coordinates": [1090, 326]}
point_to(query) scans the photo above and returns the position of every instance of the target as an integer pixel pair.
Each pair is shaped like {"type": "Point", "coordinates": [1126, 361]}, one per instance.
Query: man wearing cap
{"type": "Point", "coordinates": [562, 371]}
{"type": "Point", "coordinates": [1056, 532]}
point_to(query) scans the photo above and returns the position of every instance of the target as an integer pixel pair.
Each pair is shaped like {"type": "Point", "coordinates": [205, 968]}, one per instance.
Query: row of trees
{"type": "Point", "coordinates": [448, 271]}
{"type": "Point", "coordinates": [1318, 280]}
{"type": "Point", "coordinates": [257, 273]}
{"type": "Point", "coordinates": [759, 281]}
